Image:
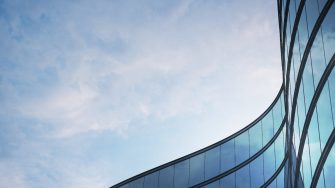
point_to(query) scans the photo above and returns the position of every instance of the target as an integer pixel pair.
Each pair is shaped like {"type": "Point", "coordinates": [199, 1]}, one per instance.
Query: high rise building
{"type": "Point", "coordinates": [291, 143]}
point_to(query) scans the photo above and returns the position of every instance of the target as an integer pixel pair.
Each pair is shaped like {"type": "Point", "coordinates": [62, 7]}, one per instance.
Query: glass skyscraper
{"type": "Point", "coordinates": [291, 143]}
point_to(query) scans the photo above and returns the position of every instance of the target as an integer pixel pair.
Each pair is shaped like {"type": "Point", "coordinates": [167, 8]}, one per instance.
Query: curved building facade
{"type": "Point", "coordinates": [291, 143]}
{"type": "Point", "coordinates": [307, 30]}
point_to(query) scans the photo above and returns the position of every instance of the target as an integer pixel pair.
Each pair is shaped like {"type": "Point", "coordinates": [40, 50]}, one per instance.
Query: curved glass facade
{"type": "Point", "coordinates": [291, 143]}
{"type": "Point", "coordinates": [308, 45]}
{"type": "Point", "coordinates": [239, 160]}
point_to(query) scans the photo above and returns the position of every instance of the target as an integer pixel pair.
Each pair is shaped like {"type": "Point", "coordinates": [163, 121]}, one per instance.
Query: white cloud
{"type": "Point", "coordinates": [163, 71]}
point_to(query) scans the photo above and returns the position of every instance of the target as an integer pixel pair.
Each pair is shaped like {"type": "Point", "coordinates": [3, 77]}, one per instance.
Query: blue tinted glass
{"type": "Point", "coordinates": [280, 179]}
{"type": "Point", "coordinates": [136, 184]}
{"type": "Point", "coordinates": [181, 172]}
{"type": "Point", "coordinates": [328, 29]}
{"type": "Point", "coordinates": [279, 149]}
{"type": "Point", "coordinates": [307, 165]}
{"type": "Point", "coordinates": [308, 82]}
{"type": "Point", "coordinates": [269, 162]}
{"type": "Point", "coordinates": [166, 177]}
{"type": "Point", "coordinates": [331, 86]}
{"type": "Point", "coordinates": [302, 29]}
{"type": "Point", "coordinates": [212, 162]}
{"type": "Point", "coordinates": [314, 141]}
{"type": "Point", "coordinates": [273, 184]}
{"type": "Point", "coordinates": [125, 186]}
{"type": "Point", "coordinates": [255, 138]}
{"type": "Point", "coordinates": [297, 125]}
{"type": "Point", "coordinates": [257, 173]}
{"type": "Point", "coordinates": [325, 115]}
{"type": "Point", "coordinates": [151, 180]}
{"type": "Point", "coordinates": [312, 13]}
{"type": "Point", "coordinates": [317, 56]}
{"type": "Point", "coordinates": [268, 131]}
{"type": "Point", "coordinates": [329, 169]}
{"type": "Point", "coordinates": [197, 169]}
{"type": "Point", "coordinates": [277, 115]}
{"type": "Point", "coordinates": [292, 13]}
{"type": "Point", "coordinates": [228, 181]}
{"type": "Point", "coordinates": [321, 4]}
{"type": "Point", "coordinates": [228, 155]}
{"type": "Point", "coordinates": [296, 59]}
{"type": "Point", "coordinates": [243, 177]}
{"type": "Point", "coordinates": [242, 147]}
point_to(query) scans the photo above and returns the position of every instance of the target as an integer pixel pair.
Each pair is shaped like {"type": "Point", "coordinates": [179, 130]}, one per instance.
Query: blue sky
{"type": "Point", "coordinates": [92, 93]}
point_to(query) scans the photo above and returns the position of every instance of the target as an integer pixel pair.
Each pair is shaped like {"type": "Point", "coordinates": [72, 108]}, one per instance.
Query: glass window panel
{"type": "Point", "coordinates": [166, 177]}
{"type": "Point", "coordinates": [197, 169]}
{"type": "Point", "coordinates": [325, 115]}
{"type": "Point", "coordinates": [300, 114]}
{"type": "Point", "coordinates": [308, 83]}
{"type": "Point", "coordinates": [181, 177]}
{"type": "Point", "coordinates": [212, 162]}
{"type": "Point", "coordinates": [312, 13]}
{"type": "Point", "coordinates": [292, 13]}
{"type": "Point", "coordinates": [125, 186]}
{"type": "Point", "coordinates": [228, 181]}
{"type": "Point", "coordinates": [318, 62]}
{"type": "Point", "coordinates": [296, 60]}
{"type": "Point", "coordinates": [255, 139]}
{"type": "Point", "coordinates": [321, 4]}
{"type": "Point", "coordinates": [328, 26]}
{"type": "Point", "coordinates": [314, 141]}
{"type": "Point", "coordinates": [243, 177]}
{"type": "Point", "coordinates": [269, 163]}
{"type": "Point", "coordinates": [297, 122]}
{"type": "Point", "coordinates": [303, 34]}
{"type": "Point", "coordinates": [242, 147]}
{"type": "Point", "coordinates": [136, 183]}
{"type": "Point", "coordinates": [331, 85]}
{"type": "Point", "coordinates": [280, 179]}
{"type": "Point", "coordinates": [306, 161]}
{"type": "Point", "coordinates": [279, 149]}
{"type": "Point", "coordinates": [151, 180]}
{"type": "Point", "coordinates": [273, 184]}
{"type": "Point", "coordinates": [329, 169]}
{"type": "Point", "coordinates": [257, 173]}
{"type": "Point", "coordinates": [267, 124]}
{"type": "Point", "coordinates": [277, 115]}
{"type": "Point", "coordinates": [228, 155]}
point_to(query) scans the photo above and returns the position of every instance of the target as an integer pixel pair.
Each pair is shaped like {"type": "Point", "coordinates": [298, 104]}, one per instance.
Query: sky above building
{"type": "Point", "coordinates": [94, 92]}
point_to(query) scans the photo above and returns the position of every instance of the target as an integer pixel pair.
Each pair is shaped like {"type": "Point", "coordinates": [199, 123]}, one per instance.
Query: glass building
{"type": "Point", "coordinates": [291, 143]}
